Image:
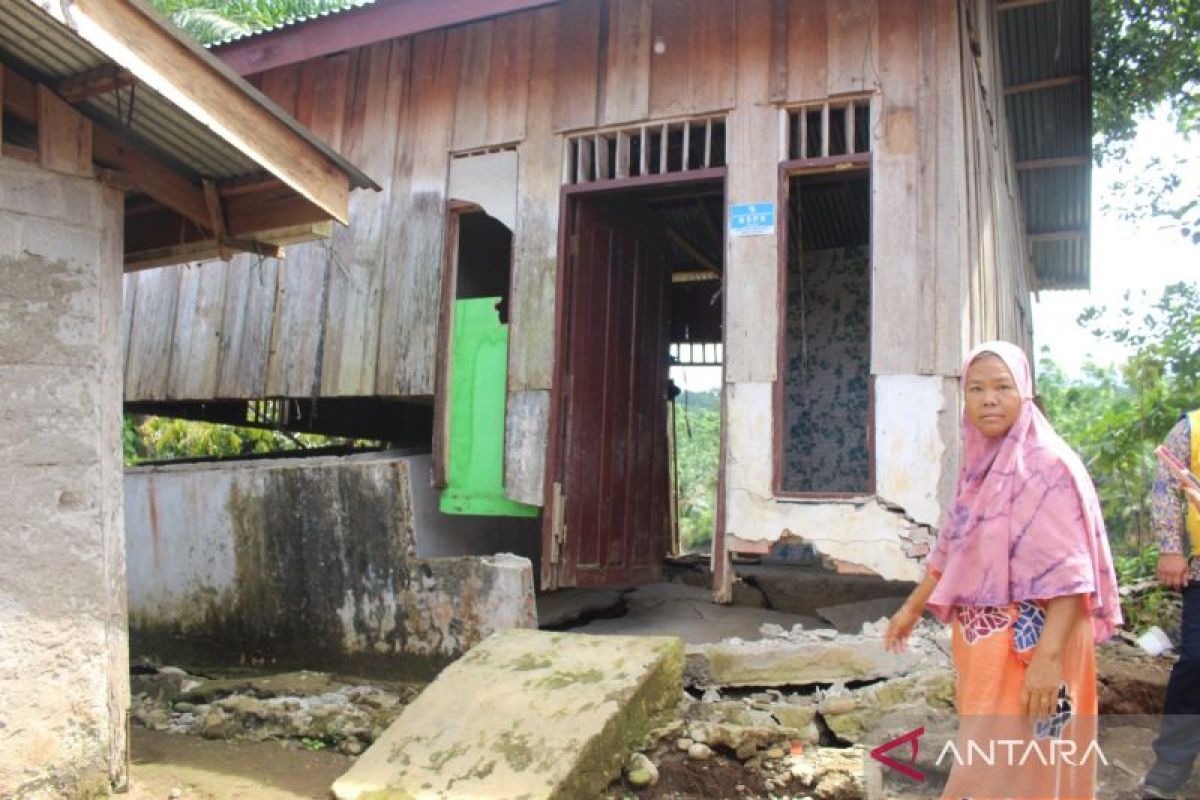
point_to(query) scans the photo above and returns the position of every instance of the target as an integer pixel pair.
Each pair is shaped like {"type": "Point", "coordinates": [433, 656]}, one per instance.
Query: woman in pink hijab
{"type": "Point", "coordinates": [1022, 570]}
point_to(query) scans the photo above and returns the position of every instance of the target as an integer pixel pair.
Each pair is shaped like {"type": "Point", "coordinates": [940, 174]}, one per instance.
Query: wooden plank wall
{"type": "Point", "coordinates": [1000, 270]}
{"type": "Point", "coordinates": [356, 315]}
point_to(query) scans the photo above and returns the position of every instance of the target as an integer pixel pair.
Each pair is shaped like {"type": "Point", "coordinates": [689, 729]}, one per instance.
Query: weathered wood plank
{"type": "Point", "coordinates": [808, 61]}
{"type": "Point", "coordinates": [896, 194]}
{"type": "Point", "coordinates": [472, 102]}
{"type": "Point", "coordinates": [282, 85]}
{"type": "Point", "coordinates": [298, 322]}
{"type": "Point", "coordinates": [359, 255]}
{"type": "Point", "coordinates": [526, 421]}
{"type": "Point", "coordinates": [535, 268]}
{"type": "Point", "coordinates": [149, 360]}
{"type": "Point", "coordinates": [508, 79]}
{"type": "Point", "coordinates": [577, 65]}
{"type": "Point", "coordinates": [752, 291]}
{"type": "Point", "coordinates": [852, 44]}
{"type": "Point", "coordinates": [195, 349]}
{"type": "Point", "coordinates": [323, 84]}
{"type": "Point", "coordinates": [669, 89]}
{"type": "Point", "coordinates": [412, 286]}
{"type": "Point", "coordinates": [250, 292]}
{"type": "Point", "coordinates": [713, 56]}
{"type": "Point", "coordinates": [64, 136]}
{"type": "Point", "coordinates": [626, 95]}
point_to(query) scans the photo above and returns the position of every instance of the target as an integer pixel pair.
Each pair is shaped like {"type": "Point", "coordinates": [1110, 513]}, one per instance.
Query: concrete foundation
{"type": "Point", "coordinates": [64, 680]}
{"type": "Point", "coordinates": [544, 716]}
{"type": "Point", "coordinates": [306, 563]}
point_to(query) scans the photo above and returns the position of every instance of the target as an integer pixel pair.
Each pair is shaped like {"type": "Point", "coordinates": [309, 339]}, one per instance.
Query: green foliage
{"type": "Point", "coordinates": [165, 438]}
{"type": "Point", "coordinates": [1145, 53]}
{"type": "Point", "coordinates": [210, 21]}
{"type": "Point", "coordinates": [697, 447]}
{"type": "Point", "coordinates": [1115, 417]}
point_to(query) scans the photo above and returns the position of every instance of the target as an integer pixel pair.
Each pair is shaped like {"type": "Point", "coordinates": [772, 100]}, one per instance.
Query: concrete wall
{"type": "Point", "coordinates": [64, 678]}
{"type": "Point", "coordinates": [306, 563]}
{"type": "Point", "coordinates": [439, 535]}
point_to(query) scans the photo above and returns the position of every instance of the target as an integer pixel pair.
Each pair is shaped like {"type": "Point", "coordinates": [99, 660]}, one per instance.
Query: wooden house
{"type": "Point", "coordinates": [838, 197]}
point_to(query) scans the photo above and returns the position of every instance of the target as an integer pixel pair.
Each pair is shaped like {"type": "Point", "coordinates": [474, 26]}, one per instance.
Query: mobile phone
{"type": "Point", "coordinates": [1184, 474]}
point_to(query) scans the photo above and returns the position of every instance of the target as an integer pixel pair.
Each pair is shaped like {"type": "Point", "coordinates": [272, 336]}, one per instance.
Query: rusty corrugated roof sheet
{"type": "Point", "coordinates": [1046, 60]}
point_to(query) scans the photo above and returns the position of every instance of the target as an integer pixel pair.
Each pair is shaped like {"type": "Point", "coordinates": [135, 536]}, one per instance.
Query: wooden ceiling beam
{"type": "Point", "coordinates": [1013, 5]}
{"type": "Point", "coordinates": [94, 83]}
{"type": "Point", "coordinates": [353, 28]}
{"type": "Point", "coordinates": [180, 71]}
{"type": "Point", "coordinates": [197, 251]}
{"type": "Point", "coordinates": [1044, 83]}
{"type": "Point", "coordinates": [1058, 236]}
{"type": "Point", "coordinates": [149, 175]}
{"type": "Point", "coordinates": [1053, 163]}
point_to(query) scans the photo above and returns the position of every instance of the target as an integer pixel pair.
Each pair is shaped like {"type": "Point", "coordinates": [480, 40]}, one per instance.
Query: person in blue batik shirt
{"type": "Point", "coordinates": [1175, 514]}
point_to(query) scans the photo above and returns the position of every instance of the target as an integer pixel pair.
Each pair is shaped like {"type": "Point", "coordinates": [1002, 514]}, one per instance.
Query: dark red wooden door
{"type": "Point", "coordinates": [609, 469]}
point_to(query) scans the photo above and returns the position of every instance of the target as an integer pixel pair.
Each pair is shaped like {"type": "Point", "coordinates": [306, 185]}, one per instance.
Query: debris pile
{"type": "Point", "coordinates": [312, 709]}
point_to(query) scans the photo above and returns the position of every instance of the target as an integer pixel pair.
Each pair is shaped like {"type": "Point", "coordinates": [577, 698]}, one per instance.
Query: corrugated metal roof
{"type": "Point", "coordinates": [1051, 42]}
{"type": "Point", "coordinates": [299, 19]}
{"type": "Point", "coordinates": [37, 45]}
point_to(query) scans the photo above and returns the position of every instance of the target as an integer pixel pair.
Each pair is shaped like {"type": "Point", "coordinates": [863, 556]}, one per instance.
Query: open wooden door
{"type": "Point", "coordinates": [608, 484]}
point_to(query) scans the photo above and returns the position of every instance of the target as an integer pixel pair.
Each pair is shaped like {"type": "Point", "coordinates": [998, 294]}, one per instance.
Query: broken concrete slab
{"type": "Point", "coordinates": [566, 606]}
{"type": "Point", "coordinates": [788, 662]}
{"type": "Point", "coordinates": [677, 609]}
{"type": "Point", "coordinates": [801, 590]}
{"type": "Point", "coordinates": [524, 714]}
{"type": "Point", "coordinates": [849, 617]}
{"type": "Point", "coordinates": [919, 698]}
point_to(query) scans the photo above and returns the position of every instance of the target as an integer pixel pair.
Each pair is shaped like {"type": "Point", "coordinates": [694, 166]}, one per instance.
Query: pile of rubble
{"type": "Point", "coordinates": [797, 710]}
{"type": "Point", "coordinates": [311, 709]}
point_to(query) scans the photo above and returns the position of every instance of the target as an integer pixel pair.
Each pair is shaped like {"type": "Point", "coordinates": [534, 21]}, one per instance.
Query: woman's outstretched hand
{"type": "Point", "coordinates": [895, 639]}
{"type": "Point", "coordinates": [1039, 695]}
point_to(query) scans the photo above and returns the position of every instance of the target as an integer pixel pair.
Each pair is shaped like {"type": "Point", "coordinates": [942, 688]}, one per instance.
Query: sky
{"type": "Point", "coordinates": [1138, 257]}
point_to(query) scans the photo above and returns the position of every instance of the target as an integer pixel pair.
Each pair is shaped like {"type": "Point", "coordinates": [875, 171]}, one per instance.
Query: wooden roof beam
{"type": "Point", "coordinates": [346, 30]}
{"type": "Point", "coordinates": [1053, 163]}
{"type": "Point", "coordinates": [1058, 236]}
{"type": "Point", "coordinates": [1013, 5]}
{"type": "Point", "coordinates": [1044, 83]}
{"type": "Point", "coordinates": [197, 251]}
{"type": "Point", "coordinates": [127, 33]}
{"type": "Point", "coordinates": [148, 175]}
{"type": "Point", "coordinates": [94, 83]}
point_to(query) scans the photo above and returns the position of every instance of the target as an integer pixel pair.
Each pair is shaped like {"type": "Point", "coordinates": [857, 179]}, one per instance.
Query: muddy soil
{"type": "Point", "coordinates": [190, 768]}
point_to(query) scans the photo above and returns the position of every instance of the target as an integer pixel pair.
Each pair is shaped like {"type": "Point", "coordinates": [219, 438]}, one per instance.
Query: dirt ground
{"type": "Point", "coordinates": [218, 770]}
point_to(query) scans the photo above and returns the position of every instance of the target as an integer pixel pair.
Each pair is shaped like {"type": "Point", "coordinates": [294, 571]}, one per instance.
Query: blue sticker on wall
{"type": "Point", "coordinates": [752, 219]}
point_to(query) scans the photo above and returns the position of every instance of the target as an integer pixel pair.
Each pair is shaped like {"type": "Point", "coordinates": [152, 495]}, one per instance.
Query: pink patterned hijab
{"type": "Point", "coordinates": [1025, 523]}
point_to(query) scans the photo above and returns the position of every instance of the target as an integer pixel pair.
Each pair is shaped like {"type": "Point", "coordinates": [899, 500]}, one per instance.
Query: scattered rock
{"type": "Point", "coordinates": [684, 744]}
{"type": "Point", "coordinates": [775, 753]}
{"type": "Point", "coordinates": [642, 771]}
{"type": "Point", "coordinates": [184, 707]}
{"type": "Point", "coordinates": [699, 751]}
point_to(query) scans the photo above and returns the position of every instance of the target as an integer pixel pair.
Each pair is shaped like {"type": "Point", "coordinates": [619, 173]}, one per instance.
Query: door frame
{"type": "Point", "coordinates": [553, 533]}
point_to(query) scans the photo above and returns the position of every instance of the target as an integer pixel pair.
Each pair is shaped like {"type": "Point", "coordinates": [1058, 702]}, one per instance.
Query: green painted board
{"type": "Point", "coordinates": [478, 382]}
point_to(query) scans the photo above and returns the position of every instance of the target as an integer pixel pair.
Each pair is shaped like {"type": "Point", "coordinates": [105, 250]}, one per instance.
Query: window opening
{"type": "Point", "coordinates": [826, 355]}
{"type": "Point", "coordinates": [650, 149]}
{"type": "Point", "coordinates": [834, 128]}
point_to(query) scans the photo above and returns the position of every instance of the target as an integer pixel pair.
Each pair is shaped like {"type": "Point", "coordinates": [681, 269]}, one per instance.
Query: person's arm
{"type": "Point", "coordinates": [904, 620]}
{"type": "Point", "coordinates": [1039, 695]}
{"type": "Point", "coordinates": [1166, 511]}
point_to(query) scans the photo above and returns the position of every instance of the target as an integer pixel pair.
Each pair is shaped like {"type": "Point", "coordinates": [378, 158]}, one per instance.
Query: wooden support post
{"type": "Point", "coordinates": [213, 200]}
{"type": "Point", "coordinates": [64, 136]}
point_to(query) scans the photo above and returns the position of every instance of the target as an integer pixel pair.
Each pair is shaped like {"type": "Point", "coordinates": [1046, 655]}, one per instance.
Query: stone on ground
{"type": "Point", "coordinates": [795, 663]}
{"type": "Point", "coordinates": [524, 714]}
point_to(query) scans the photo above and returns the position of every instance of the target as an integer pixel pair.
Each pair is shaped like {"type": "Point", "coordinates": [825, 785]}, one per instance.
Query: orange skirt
{"type": "Point", "coordinates": [999, 751]}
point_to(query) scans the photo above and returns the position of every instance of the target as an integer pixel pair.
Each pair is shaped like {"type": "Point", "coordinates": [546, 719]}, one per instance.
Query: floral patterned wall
{"type": "Point", "coordinates": [826, 401]}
